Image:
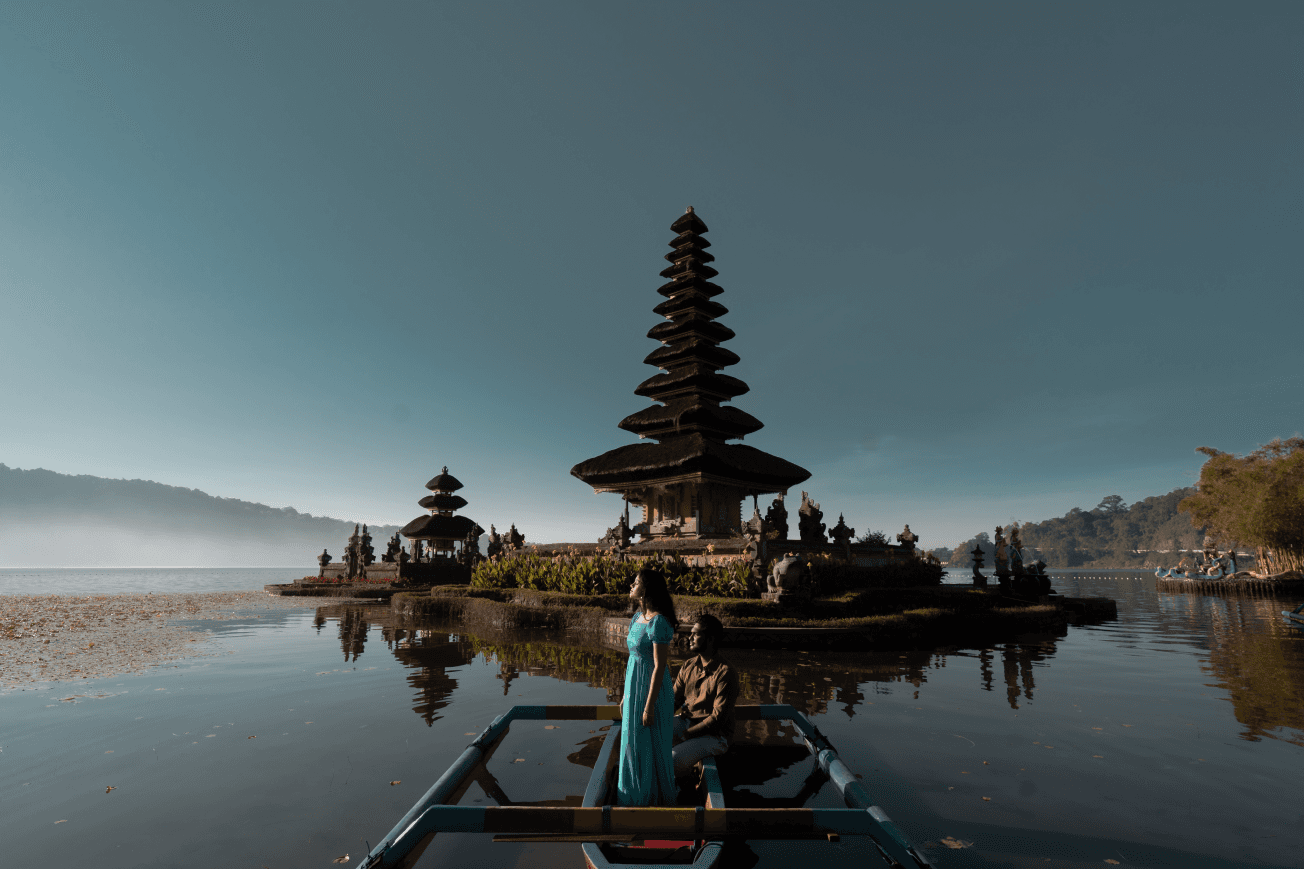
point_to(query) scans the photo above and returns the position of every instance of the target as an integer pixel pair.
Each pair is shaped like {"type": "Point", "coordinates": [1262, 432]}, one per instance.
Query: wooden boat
{"type": "Point", "coordinates": [612, 836]}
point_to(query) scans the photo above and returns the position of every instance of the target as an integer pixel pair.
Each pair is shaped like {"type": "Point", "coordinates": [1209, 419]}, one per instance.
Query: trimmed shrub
{"type": "Point", "coordinates": [604, 574]}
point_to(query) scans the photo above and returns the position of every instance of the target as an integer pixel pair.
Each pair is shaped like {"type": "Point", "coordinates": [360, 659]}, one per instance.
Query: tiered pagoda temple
{"type": "Point", "coordinates": [691, 482]}
{"type": "Point", "coordinates": [440, 534]}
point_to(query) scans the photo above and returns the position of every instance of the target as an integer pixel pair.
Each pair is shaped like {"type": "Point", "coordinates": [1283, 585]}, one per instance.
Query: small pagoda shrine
{"type": "Point", "coordinates": [440, 535]}
{"type": "Point", "coordinates": [691, 482]}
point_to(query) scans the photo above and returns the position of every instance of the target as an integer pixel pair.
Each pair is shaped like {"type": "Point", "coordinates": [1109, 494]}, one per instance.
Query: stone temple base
{"type": "Point", "coordinates": [788, 597]}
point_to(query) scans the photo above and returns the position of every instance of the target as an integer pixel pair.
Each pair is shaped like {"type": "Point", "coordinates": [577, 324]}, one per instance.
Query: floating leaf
{"type": "Point", "coordinates": [397, 781]}
{"type": "Point", "coordinates": [64, 821]}
{"type": "Point", "coordinates": [472, 733]}
{"type": "Point", "coordinates": [985, 763]}
{"type": "Point", "coordinates": [253, 737]}
{"type": "Point", "coordinates": [110, 788]}
{"type": "Point", "coordinates": [1111, 859]}
{"type": "Point", "coordinates": [343, 859]}
{"type": "Point", "coordinates": [987, 799]}
{"type": "Point", "coordinates": [549, 727]}
{"type": "Point", "coordinates": [1101, 756]}
{"type": "Point", "coordinates": [519, 760]}
{"type": "Point", "coordinates": [957, 844]}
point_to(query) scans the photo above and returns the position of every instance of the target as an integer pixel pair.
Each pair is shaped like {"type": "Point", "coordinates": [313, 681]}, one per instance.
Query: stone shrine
{"type": "Point", "coordinates": [440, 535]}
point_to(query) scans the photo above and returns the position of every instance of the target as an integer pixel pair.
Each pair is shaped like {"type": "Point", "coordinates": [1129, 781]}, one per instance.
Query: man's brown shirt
{"type": "Point", "coordinates": [709, 694]}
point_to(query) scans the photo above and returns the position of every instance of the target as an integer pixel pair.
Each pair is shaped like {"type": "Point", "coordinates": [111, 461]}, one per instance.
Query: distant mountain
{"type": "Point", "coordinates": [1149, 533]}
{"type": "Point", "coordinates": [61, 520]}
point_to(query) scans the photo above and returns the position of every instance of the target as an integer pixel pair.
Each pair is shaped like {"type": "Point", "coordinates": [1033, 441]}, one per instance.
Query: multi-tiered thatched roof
{"type": "Point", "coordinates": [689, 425]}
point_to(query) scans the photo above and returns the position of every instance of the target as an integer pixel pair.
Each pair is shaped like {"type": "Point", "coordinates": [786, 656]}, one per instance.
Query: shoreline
{"type": "Point", "coordinates": [51, 638]}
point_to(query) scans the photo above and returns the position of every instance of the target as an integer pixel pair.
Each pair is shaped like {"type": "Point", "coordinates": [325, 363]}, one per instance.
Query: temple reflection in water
{"type": "Point", "coordinates": [1250, 653]}
{"type": "Point", "coordinates": [810, 681]}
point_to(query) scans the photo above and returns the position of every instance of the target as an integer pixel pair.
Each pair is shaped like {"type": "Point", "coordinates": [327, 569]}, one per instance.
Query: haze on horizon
{"type": "Point", "coordinates": [983, 262]}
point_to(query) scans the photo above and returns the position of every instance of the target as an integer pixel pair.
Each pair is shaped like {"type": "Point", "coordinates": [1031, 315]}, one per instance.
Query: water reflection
{"type": "Point", "coordinates": [1253, 655]}
{"type": "Point", "coordinates": [1246, 646]}
{"type": "Point", "coordinates": [810, 681]}
{"type": "Point", "coordinates": [1242, 643]}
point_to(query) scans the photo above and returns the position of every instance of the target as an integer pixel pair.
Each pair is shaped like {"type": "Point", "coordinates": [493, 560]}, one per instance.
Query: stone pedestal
{"type": "Point", "coordinates": [788, 597]}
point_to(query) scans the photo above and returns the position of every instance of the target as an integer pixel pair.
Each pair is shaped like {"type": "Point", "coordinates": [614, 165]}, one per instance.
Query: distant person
{"type": "Point", "coordinates": [646, 775]}
{"type": "Point", "coordinates": [706, 691]}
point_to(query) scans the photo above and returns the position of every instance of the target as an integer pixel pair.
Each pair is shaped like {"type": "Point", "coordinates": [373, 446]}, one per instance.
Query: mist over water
{"type": "Point", "coordinates": [140, 580]}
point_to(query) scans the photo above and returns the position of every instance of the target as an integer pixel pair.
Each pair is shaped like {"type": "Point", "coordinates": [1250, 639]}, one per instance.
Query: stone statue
{"type": "Point", "coordinates": [756, 531]}
{"type": "Point", "coordinates": [515, 539]}
{"type": "Point", "coordinates": [809, 524]}
{"type": "Point", "coordinates": [392, 549]}
{"type": "Point", "coordinates": [353, 555]}
{"type": "Point", "coordinates": [1016, 551]}
{"type": "Point", "coordinates": [978, 578]}
{"type": "Point", "coordinates": [617, 537]}
{"type": "Point", "coordinates": [907, 539]}
{"type": "Point", "coordinates": [365, 551]}
{"type": "Point", "coordinates": [842, 535]}
{"type": "Point", "coordinates": [323, 560]}
{"type": "Point", "coordinates": [785, 583]}
{"type": "Point", "coordinates": [495, 547]}
{"type": "Point", "coordinates": [776, 520]}
{"type": "Point", "coordinates": [1210, 549]}
{"type": "Point", "coordinates": [470, 553]}
{"type": "Point", "coordinates": [1002, 563]}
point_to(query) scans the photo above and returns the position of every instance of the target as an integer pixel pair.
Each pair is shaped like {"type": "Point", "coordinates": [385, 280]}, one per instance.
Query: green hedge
{"type": "Point", "coordinates": [605, 574]}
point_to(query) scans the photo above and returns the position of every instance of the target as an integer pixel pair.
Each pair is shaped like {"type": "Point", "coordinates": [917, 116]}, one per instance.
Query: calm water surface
{"type": "Point", "coordinates": [1171, 737]}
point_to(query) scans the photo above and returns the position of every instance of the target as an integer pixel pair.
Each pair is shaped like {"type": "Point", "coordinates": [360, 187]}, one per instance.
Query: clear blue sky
{"type": "Point", "coordinates": [983, 260]}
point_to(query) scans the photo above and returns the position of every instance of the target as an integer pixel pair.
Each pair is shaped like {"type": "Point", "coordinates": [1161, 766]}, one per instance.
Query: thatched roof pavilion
{"type": "Point", "coordinates": [691, 482]}
{"type": "Point", "coordinates": [440, 533]}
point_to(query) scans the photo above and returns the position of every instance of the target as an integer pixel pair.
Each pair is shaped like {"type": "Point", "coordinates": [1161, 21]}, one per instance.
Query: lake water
{"type": "Point", "coordinates": [140, 580]}
{"type": "Point", "coordinates": [1173, 736]}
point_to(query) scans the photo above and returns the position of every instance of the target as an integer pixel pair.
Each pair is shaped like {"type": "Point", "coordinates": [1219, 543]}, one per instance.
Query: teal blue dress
{"type": "Point", "coordinates": [647, 771]}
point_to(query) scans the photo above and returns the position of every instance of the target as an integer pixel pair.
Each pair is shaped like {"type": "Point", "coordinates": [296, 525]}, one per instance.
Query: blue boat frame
{"type": "Point", "coordinates": [403, 846]}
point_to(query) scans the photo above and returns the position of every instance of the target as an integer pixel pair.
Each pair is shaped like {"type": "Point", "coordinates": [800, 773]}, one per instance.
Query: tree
{"type": "Point", "coordinates": [962, 555]}
{"type": "Point", "coordinates": [1256, 499]}
{"type": "Point", "coordinates": [1110, 504]}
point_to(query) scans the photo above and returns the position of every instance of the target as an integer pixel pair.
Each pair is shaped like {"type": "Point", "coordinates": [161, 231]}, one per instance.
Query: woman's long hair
{"type": "Point", "coordinates": [656, 596]}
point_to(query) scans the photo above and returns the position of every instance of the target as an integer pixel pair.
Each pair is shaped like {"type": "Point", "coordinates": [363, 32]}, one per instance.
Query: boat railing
{"type": "Point", "coordinates": [403, 846]}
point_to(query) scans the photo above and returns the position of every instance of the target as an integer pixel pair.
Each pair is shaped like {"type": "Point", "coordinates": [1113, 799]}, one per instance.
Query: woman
{"type": "Point", "coordinates": [647, 774]}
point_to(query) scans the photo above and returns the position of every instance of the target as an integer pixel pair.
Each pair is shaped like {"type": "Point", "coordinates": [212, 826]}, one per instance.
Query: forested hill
{"type": "Point", "coordinates": [51, 519]}
{"type": "Point", "coordinates": [1112, 534]}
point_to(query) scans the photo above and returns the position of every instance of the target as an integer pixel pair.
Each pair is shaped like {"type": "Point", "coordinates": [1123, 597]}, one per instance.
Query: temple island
{"type": "Point", "coordinates": [684, 487]}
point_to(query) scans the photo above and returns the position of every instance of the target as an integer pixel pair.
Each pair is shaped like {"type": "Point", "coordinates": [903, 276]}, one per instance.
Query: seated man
{"type": "Point", "coordinates": [706, 690]}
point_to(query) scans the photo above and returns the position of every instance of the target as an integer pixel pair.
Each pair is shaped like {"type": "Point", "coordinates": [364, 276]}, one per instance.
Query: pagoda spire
{"type": "Point", "coordinates": [689, 423]}
{"type": "Point", "coordinates": [691, 387]}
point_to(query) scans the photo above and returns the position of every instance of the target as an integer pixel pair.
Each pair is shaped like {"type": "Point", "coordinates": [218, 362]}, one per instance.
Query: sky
{"type": "Point", "coordinates": [984, 261]}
